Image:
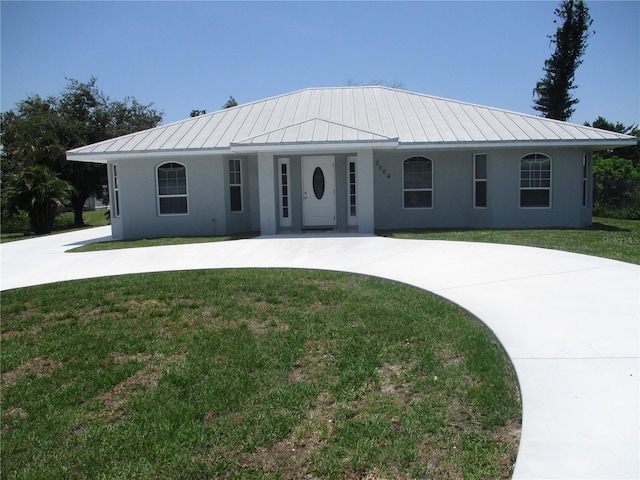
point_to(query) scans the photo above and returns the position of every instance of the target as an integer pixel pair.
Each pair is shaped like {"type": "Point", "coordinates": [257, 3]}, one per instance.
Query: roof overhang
{"type": "Point", "coordinates": [323, 147]}
{"type": "Point", "coordinates": [106, 157]}
{"type": "Point", "coordinates": [587, 144]}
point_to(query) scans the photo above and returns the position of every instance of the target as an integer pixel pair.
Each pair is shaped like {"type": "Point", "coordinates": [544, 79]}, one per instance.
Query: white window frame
{"type": "Point", "coordinates": [232, 183]}
{"type": "Point", "coordinates": [284, 192]}
{"type": "Point", "coordinates": [177, 195]}
{"type": "Point", "coordinates": [477, 180]}
{"type": "Point", "coordinates": [352, 190]}
{"type": "Point", "coordinates": [116, 191]}
{"type": "Point", "coordinates": [428, 189]}
{"type": "Point", "coordinates": [532, 181]}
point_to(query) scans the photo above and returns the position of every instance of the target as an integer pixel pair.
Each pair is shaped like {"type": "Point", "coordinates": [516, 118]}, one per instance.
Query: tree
{"type": "Point", "coordinates": [230, 103]}
{"type": "Point", "coordinates": [631, 152]}
{"type": "Point", "coordinates": [40, 131]}
{"type": "Point", "coordinates": [39, 192]}
{"type": "Point", "coordinates": [197, 113]}
{"type": "Point", "coordinates": [616, 175]}
{"type": "Point", "coordinates": [553, 91]}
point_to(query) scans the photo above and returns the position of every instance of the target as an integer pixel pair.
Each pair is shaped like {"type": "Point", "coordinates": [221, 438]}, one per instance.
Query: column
{"type": "Point", "coordinates": [267, 194]}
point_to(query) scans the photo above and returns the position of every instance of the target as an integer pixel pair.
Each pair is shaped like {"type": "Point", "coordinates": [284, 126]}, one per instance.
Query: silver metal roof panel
{"type": "Point", "coordinates": [351, 115]}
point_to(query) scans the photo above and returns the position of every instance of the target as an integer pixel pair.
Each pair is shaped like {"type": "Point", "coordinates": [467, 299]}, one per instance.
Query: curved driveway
{"type": "Point", "coordinates": [569, 322]}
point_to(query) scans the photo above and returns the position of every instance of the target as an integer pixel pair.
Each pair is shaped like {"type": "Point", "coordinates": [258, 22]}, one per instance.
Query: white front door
{"type": "Point", "coordinates": [318, 191]}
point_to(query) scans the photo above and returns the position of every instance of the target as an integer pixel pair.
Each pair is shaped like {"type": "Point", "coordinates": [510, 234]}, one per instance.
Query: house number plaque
{"type": "Point", "coordinates": [383, 170]}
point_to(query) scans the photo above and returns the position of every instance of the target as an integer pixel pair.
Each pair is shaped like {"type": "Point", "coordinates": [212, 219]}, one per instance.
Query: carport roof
{"type": "Point", "coordinates": [347, 118]}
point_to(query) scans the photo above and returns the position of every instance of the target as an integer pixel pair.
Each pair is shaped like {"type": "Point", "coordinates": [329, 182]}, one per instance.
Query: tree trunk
{"type": "Point", "coordinates": [78, 221]}
{"type": "Point", "coordinates": [77, 202]}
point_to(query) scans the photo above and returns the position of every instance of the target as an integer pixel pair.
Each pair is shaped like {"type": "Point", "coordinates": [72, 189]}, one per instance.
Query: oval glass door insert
{"type": "Point", "coordinates": [318, 183]}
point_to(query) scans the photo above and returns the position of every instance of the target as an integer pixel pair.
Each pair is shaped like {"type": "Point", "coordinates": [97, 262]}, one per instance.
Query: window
{"type": "Point", "coordinates": [235, 185]}
{"type": "Point", "coordinates": [116, 192]}
{"type": "Point", "coordinates": [480, 180]}
{"type": "Point", "coordinates": [283, 185]}
{"type": "Point", "coordinates": [172, 189]}
{"type": "Point", "coordinates": [585, 183]}
{"type": "Point", "coordinates": [351, 190]}
{"type": "Point", "coordinates": [535, 181]}
{"type": "Point", "coordinates": [417, 183]}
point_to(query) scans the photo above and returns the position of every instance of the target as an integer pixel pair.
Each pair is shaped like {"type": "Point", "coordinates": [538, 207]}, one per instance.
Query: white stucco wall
{"type": "Point", "coordinates": [379, 193]}
{"type": "Point", "coordinates": [138, 199]}
{"type": "Point", "coordinates": [453, 191]}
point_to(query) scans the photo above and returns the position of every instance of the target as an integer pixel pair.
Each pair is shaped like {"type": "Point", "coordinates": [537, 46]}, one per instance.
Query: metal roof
{"type": "Point", "coordinates": [346, 117]}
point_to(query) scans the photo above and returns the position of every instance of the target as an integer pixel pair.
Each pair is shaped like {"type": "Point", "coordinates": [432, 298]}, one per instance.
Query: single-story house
{"type": "Point", "coordinates": [352, 159]}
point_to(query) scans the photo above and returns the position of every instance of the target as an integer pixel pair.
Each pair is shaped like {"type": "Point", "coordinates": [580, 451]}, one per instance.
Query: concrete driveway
{"type": "Point", "coordinates": [570, 323]}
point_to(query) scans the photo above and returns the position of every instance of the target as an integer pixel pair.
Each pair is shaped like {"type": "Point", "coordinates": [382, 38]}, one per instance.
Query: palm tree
{"type": "Point", "coordinates": [39, 192]}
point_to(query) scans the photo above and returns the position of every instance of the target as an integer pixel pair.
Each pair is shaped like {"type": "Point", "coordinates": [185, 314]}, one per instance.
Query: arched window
{"type": "Point", "coordinates": [535, 181]}
{"type": "Point", "coordinates": [172, 189]}
{"type": "Point", "coordinates": [417, 185]}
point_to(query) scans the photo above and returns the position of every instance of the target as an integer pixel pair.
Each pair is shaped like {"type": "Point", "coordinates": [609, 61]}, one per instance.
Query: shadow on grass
{"type": "Point", "coordinates": [597, 226]}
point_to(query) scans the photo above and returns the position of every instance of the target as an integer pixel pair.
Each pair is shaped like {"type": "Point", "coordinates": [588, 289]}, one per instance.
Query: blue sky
{"type": "Point", "coordinates": [194, 55]}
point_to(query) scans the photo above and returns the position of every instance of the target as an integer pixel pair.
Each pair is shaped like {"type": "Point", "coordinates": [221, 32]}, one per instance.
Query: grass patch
{"type": "Point", "coordinates": [609, 238]}
{"type": "Point", "coordinates": [158, 242]}
{"type": "Point", "coordinates": [18, 228]}
{"type": "Point", "coordinates": [251, 374]}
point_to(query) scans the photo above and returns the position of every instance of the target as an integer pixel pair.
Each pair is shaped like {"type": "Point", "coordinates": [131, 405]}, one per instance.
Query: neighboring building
{"type": "Point", "coordinates": [350, 159]}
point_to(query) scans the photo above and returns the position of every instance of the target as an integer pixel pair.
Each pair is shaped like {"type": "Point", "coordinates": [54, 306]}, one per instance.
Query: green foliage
{"type": "Point", "coordinates": [230, 103]}
{"type": "Point", "coordinates": [553, 92]}
{"type": "Point", "coordinates": [617, 187]}
{"type": "Point", "coordinates": [631, 152]}
{"type": "Point", "coordinates": [39, 132]}
{"type": "Point", "coordinates": [617, 175]}
{"type": "Point", "coordinates": [37, 191]}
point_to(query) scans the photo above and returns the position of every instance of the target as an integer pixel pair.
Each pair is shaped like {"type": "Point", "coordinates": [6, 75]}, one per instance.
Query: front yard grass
{"type": "Point", "coordinates": [607, 237]}
{"type": "Point", "coordinates": [251, 374]}
{"type": "Point", "coordinates": [18, 228]}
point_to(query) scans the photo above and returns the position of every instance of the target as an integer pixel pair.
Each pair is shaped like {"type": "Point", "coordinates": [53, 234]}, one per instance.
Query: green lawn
{"type": "Point", "coordinates": [18, 229]}
{"type": "Point", "coordinates": [610, 238]}
{"type": "Point", "coordinates": [250, 374]}
{"type": "Point", "coordinates": [263, 373]}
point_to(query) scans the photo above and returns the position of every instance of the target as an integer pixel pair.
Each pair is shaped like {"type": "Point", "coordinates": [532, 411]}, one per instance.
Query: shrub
{"type": "Point", "coordinates": [617, 188]}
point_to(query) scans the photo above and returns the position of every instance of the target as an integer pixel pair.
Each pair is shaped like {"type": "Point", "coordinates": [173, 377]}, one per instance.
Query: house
{"type": "Point", "coordinates": [351, 159]}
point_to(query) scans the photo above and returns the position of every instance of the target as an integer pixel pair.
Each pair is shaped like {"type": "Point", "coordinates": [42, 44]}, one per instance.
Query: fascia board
{"type": "Point", "coordinates": [106, 157]}
{"type": "Point", "coordinates": [592, 144]}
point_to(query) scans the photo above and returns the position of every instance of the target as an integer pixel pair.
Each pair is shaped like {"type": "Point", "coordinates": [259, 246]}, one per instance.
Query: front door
{"type": "Point", "coordinates": [318, 192]}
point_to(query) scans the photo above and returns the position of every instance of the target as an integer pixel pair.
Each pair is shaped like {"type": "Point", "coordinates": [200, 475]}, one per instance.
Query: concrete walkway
{"type": "Point", "coordinates": [570, 323]}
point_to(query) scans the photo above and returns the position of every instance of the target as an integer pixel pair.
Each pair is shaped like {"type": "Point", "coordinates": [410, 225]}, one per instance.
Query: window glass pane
{"type": "Point", "coordinates": [173, 205]}
{"type": "Point", "coordinates": [117, 203]}
{"type": "Point", "coordinates": [236, 198]}
{"type": "Point", "coordinates": [417, 182]}
{"type": "Point", "coordinates": [172, 179]}
{"type": "Point", "coordinates": [534, 198]}
{"type": "Point", "coordinates": [481, 167]}
{"type": "Point", "coordinates": [417, 199]}
{"type": "Point", "coordinates": [481, 194]}
{"type": "Point", "coordinates": [318, 183]}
